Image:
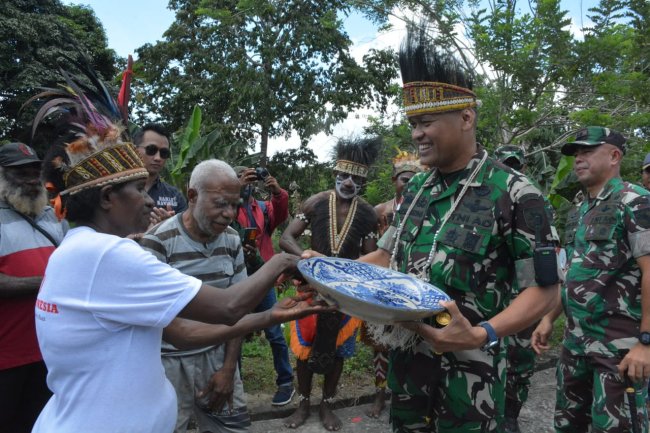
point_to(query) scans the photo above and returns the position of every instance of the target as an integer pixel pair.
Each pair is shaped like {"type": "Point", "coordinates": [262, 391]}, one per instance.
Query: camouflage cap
{"type": "Point", "coordinates": [506, 152]}
{"type": "Point", "coordinates": [594, 136]}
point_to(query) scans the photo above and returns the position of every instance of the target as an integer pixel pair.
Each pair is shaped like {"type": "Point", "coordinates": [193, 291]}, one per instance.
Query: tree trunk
{"type": "Point", "coordinates": [264, 145]}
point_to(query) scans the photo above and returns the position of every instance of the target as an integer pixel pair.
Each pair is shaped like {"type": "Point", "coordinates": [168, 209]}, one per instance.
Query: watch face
{"type": "Point", "coordinates": [644, 338]}
{"type": "Point", "coordinates": [491, 344]}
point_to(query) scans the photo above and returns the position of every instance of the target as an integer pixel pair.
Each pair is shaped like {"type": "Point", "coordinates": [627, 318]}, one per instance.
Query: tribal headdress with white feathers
{"type": "Point", "coordinates": [98, 152]}
{"type": "Point", "coordinates": [434, 81]}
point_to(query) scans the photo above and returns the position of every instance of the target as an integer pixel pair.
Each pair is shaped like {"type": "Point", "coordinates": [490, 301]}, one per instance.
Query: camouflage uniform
{"type": "Point", "coordinates": [602, 303]}
{"type": "Point", "coordinates": [478, 249]}
{"type": "Point", "coordinates": [520, 354]}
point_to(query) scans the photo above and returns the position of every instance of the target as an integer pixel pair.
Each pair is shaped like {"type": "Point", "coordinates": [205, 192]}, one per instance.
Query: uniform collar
{"type": "Point", "coordinates": [469, 168]}
{"type": "Point", "coordinates": [612, 185]}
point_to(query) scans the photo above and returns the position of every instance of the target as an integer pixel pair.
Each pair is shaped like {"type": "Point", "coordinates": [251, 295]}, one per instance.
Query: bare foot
{"type": "Point", "coordinates": [378, 404]}
{"type": "Point", "coordinates": [330, 421]}
{"type": "Point", "coordinates": [299, 417]}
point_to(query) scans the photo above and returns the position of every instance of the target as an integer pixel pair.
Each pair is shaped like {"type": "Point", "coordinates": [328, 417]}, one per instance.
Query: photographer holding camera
{"type": "Point", "coordinates": [256, 221]}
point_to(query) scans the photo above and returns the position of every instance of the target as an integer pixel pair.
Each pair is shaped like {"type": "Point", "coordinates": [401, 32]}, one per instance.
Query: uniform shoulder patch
{"type": "Point", "coordinates": [642, 217]}
{"type": "Point", "coordinates": [533, 210]}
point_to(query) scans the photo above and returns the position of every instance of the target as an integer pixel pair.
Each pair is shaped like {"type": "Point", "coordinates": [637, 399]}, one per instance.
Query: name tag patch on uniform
{"type": "Point", "coordinates": [598, 232]}
{"type": "Point", "coordinates": [462, 238]}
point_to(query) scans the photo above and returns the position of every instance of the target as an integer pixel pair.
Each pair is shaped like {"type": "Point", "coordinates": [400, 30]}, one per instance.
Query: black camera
{"type": "Point", "coordinates": [262, 173]}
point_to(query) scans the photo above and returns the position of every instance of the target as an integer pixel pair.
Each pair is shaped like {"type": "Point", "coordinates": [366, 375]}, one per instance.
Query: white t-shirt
{"type": "Point", "coordinates": [99, 318]}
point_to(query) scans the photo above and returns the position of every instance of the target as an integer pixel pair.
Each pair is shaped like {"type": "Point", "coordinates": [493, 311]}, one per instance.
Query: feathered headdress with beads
{"type": "Point", "coordinates": [406, 161]}
{"type": "Point", "coordinates": [98, 151]}
{"type": "Point", "coordinates": [434, 81]}
{"type": "Point", "coordinates": [356, 156]}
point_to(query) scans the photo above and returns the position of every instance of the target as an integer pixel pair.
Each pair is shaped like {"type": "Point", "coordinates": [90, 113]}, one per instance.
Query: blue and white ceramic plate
{"type": "Point", "coordinates": [371, 292]}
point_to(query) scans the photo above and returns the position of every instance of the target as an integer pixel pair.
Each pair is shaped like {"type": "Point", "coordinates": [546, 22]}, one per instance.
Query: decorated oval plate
{"type": "Point", "coordinates": [371, 292]}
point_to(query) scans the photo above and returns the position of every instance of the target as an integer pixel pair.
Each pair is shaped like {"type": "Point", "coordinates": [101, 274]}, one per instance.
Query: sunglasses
{"type": "Point", "coordinates": [152, 149]}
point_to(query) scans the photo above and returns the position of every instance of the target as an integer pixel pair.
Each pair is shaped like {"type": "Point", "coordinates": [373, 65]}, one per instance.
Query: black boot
{"type": "Point", "coordinates": [511, 425]}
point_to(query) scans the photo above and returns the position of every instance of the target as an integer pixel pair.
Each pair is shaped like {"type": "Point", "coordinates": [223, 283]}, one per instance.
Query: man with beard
{"type": "Point", "coordinates": [29, 233]}
{"type": "Point", "coordinates": [200, 243]}
{"type": "Point", "coordinates": [342, 225]}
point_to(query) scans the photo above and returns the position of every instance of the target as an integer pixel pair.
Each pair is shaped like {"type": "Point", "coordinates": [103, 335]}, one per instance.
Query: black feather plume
{"type": "Point", "coordinates": [419, 60]}
{"type": "Point", "coordinates": [361, 150]}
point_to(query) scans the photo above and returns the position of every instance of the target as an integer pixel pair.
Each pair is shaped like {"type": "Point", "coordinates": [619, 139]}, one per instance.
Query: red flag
{"type": "Point", "coordinates": [125, 90]}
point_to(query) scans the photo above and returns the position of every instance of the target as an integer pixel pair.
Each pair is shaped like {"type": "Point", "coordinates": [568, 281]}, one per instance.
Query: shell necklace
{"type": "Point", "coordinates": [338, 238]}
{"type": "Point", "coordinates": [397, 203]}
{"type": "Point", "coordinates": [423, 273]}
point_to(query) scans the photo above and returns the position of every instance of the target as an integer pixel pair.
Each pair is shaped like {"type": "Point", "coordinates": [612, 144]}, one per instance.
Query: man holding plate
{"type": "Point", "coordinates": [471, 227]}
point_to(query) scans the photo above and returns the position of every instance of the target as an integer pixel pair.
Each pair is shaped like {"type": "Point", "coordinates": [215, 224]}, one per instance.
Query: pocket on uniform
{"type": "Point", "coordinates": [464, 251]}
{"type": "Point", "coordinates": [603, 250]}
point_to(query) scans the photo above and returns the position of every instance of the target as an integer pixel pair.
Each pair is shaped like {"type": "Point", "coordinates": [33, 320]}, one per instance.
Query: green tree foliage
{"type": "Point", "coordinates": [299, 170]}
{"type": "Point", "coordinates": [260, 69]}
{"type": "Point", "coordinates": [539, 83]}
{"type": "Point", "coordinates": [612, 84]}
{"type": "Point", "coordinates": [34, 37]}
{"type": "Point", "coordinates": [397, 137]}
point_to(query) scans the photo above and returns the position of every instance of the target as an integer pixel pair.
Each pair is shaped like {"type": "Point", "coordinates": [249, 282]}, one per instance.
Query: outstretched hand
{"type": "Point", "coordinates": [286, 263]}
{"type": "Point", "coordinates": [298, 306]}
{"type": "Point", "coordinates": [308, 254]}
{"type": "Point", "coordinates": [459, 334]}
{"type": "Point", "coordinates": [159, 214]}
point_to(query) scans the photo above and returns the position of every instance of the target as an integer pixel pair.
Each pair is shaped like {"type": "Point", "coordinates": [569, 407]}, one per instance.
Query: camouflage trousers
{"type": "Point", "coordinates": [520, 368]}
{"type": "Point", "coordinates": [454, 392]}
{"type": "Point", "coordinates": [591, 392]}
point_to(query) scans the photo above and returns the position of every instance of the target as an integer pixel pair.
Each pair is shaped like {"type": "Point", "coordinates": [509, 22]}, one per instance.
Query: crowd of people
{"type": "Point", "coordinates": [125, 310]}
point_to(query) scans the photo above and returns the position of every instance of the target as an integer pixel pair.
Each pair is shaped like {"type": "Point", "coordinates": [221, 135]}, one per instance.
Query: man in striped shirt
{"type": "Point", "coordinates": [200, 243]}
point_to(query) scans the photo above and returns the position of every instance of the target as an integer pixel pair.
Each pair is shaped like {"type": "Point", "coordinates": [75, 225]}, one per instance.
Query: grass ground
{"type": "Point", "coordinates": [259, 376]}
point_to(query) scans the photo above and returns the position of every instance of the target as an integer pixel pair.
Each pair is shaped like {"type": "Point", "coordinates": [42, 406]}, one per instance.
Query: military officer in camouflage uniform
{"type": "Point", "coordinates": [464, 226]}
{"type": "Point", "coordinates": [520, 358]}
{"type": "Point", "coordinates": [606, 297]}
{"type": "Point", "coordinates": [512, 156]}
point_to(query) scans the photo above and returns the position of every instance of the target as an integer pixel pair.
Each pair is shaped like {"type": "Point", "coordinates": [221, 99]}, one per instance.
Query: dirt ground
{"type": "Point", "coordinates": [354, 399]}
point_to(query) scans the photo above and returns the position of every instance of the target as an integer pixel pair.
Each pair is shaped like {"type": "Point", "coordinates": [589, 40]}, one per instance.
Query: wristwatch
{"type": "Point", "coordinates": [492, 340]}
{"type": "Point", "coordinates": [644, 338]}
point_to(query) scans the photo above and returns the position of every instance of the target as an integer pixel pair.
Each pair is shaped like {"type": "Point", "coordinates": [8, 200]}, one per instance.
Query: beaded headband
{"type": "Point", "coordinates": [111, 165]}
{"type": "Point", "coordinates": [428, 97]}
{"type": "Point", "coordinates": [351, 167]}
{"type": "Point", "coordinates": [405, 161]}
